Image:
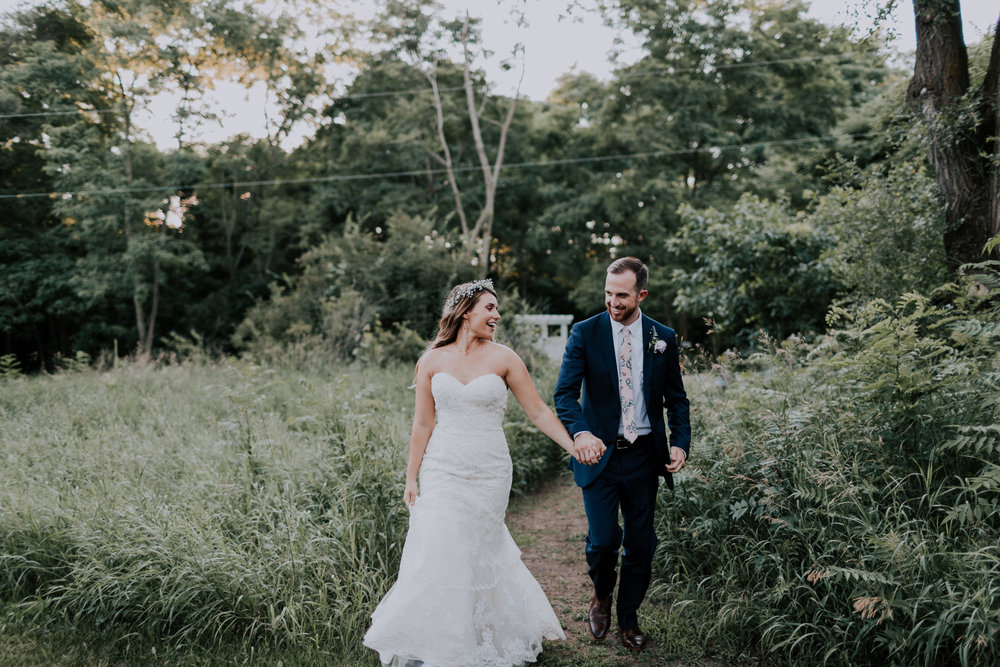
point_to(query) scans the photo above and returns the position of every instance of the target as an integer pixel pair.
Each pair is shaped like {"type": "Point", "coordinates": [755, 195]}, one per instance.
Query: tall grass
{"type": "Point", "coordinates": [210, 503]}
{"type": "Point", "coordinates": [846, 505]}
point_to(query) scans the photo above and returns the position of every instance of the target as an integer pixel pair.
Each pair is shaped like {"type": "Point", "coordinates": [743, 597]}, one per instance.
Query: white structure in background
{"type": "Point", "coordinates": [552, 332]}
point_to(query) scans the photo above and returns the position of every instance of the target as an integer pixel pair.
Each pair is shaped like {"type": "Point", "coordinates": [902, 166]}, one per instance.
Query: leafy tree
{"type": "Point", "coordinates": [359, 281]}
{"type": "Point", "coordinates": [757, 266]}
{"type": "Point", "coordinates": [442, 114]}
{"type": "Point", "coordinates": [722, 80]}
{"type": "Point", "coordinates": [43, 81]}
{"type": "Point", "coordinates": [887, 224]}
{"type": "Point", "coordinates": [724, 91]}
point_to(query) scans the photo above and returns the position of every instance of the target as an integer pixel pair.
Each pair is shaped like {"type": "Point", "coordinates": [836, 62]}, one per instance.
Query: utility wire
{"type": "Point", "coordinates": [420, 91]}
{"type": "Point", "coordinates": [666, 69]}
{"type": "Point", "coordinates": [350, 96]}
{"type": "Point", "coordinates": [334, 178]}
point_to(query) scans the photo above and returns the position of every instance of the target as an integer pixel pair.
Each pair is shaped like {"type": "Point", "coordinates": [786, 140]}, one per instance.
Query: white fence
{"type": "Point", "coordinates": [552, 331]}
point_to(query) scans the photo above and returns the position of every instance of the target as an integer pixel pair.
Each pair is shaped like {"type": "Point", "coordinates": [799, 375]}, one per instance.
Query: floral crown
{"type": "Point", "coordinates": [467, 290]}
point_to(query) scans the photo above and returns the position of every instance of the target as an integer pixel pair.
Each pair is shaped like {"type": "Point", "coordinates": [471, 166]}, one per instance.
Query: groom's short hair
{"type": "Point", "coordinates": [634, 265]}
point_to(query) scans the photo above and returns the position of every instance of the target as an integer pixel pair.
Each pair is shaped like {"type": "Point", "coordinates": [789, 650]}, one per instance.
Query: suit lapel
{"type": "Point", "coordinates": [647, 358]}
{"type": "Point", "coordinates": [606, 345]}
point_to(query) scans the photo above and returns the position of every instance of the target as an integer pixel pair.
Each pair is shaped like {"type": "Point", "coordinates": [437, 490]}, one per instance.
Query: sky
{"type": "Point", "coordinates": [554, 45]}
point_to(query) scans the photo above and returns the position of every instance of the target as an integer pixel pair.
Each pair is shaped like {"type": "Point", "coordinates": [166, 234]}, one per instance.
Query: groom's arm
{"type": "Point", "coordinates": [675, 398]}
{"type": "Point", "coordinates": [568, 385]}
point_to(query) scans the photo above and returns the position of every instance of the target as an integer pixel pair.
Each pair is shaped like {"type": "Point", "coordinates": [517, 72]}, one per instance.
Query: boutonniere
{"type": "Point", "coordinates": [656, 345]}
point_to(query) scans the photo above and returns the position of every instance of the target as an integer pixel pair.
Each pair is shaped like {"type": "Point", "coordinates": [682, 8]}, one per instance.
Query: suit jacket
{"type": "Point", "coordinates": [589, 363]}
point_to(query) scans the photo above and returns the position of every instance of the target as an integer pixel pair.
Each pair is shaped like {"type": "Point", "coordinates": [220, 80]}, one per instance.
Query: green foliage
{"type": "Point", "coordinates": [888, 226]}
{"type": "Point", "coordinates": [610, 163]}
{"type": "Point", "coordinates": [10, 367]}
{"type": "Point", "coordinates": [720, 76]}
{"type": "Point", "coordinates": [358, 284]}
{"type": "Point", "coordinates": [755, 266]}
{"type": "Point", "coordinates": [193, 508]}
{"type": "Point", "coordinates": [844, 509]}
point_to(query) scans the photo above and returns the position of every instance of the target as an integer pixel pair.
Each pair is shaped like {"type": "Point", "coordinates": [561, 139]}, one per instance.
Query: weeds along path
{"type": "Point", "coordinates": [549, 526]}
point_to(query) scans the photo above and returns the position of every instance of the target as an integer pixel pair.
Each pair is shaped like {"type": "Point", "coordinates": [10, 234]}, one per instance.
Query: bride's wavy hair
{"type": "Point", "coordinates": [461, 300]}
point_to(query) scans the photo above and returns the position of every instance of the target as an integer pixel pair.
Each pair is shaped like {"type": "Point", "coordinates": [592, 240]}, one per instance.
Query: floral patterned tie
{"type": "Point", "coordinates": [625, 387]}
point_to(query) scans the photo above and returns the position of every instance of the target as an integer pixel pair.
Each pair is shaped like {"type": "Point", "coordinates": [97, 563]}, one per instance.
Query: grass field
{"type": "Point", "coordinates": [214, 512]}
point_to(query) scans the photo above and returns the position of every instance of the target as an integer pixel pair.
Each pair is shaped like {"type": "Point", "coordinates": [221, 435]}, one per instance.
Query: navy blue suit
{"type": "Point", "coordinates": [624, 479]}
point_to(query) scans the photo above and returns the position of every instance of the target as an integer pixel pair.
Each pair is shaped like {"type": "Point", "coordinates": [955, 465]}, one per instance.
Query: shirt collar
{"type": "Point", "coordinates": [634, 329]}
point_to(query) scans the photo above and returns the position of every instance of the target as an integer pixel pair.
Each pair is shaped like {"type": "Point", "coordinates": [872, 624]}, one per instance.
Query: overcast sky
{"type": "Point", "coordinates": [555, 44]}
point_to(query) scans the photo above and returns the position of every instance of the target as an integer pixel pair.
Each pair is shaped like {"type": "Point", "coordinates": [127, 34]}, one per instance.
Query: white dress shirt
{"type": "Point", "coordinates": [635, 336]}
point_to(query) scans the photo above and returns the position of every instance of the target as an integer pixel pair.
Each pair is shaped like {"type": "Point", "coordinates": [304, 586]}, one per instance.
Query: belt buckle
{"type": "Point", "coordinates": [621, 443]}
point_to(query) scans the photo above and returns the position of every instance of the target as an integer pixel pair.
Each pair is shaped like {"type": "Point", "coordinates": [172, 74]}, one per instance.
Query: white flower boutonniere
{"type": "Point", "coordinates": [656, 344]}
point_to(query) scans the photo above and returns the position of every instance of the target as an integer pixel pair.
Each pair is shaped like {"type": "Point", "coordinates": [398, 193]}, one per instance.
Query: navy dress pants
{"type": "Point", "coordinates": [629, 483]}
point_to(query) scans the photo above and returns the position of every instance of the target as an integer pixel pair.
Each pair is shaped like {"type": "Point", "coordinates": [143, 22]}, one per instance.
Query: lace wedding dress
{"type": "Point", "coordinates": [463, 597]}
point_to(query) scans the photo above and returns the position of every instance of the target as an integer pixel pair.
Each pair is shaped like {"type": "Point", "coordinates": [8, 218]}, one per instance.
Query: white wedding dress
{"type": "Point", "coordinates": [463, 598]}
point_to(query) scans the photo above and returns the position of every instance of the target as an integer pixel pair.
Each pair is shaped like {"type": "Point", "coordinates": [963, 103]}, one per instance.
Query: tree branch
{"type": "Point", "coordinates": [449, 167]}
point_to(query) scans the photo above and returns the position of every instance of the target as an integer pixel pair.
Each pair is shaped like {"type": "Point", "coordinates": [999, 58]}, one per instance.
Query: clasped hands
{"type": "Point", "coordinates": [588, 448]}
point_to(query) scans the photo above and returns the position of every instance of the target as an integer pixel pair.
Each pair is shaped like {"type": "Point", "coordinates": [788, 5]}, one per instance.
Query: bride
{"type": "Point", "coordinates": [463, 597]}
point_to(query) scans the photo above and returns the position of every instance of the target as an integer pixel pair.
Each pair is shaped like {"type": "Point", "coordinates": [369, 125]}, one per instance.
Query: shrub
{"type": "Point", "coordinates": [755, 266]}
{"type": "Point", "coordinates": [358, 282]}
{"type": "Point", "coordinates": [844, 508]}
{"type": "Point", "coordinates": [889, 227]}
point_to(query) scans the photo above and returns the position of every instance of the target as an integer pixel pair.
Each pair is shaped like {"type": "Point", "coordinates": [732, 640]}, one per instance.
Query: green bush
{"type": "Point", "coordinates": [845, 508]}
{"type": "Point", "coordinates": [754, 266]}
{"type": "Point", "coordinates": [356, 283]}
{"type": "Point", "coordinates": [888, 226]}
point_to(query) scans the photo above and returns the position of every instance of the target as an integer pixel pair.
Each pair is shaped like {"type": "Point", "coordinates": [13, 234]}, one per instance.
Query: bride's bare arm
{"type": "Point", "coordinates": [420, 433]}
{"type": "Point", "coordinates": [541, 415]}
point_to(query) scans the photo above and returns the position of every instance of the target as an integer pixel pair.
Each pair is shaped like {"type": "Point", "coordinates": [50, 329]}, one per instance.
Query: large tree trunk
{"type": "Point", "coordinates": [962, 158]}
{"type": "Point", "coordinates": [990, 130]}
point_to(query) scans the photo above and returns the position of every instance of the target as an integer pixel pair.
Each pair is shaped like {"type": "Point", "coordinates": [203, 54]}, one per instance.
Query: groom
{"type": "Point", "coordinates": [628, 367]}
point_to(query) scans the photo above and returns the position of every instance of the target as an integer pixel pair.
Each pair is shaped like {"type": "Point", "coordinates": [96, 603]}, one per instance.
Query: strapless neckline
{"type": "Point", "coordinates": [470, 382]}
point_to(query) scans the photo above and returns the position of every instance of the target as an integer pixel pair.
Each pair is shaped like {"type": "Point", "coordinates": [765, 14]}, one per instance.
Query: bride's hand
{"type": "Point", "coordinates": [410, 494]}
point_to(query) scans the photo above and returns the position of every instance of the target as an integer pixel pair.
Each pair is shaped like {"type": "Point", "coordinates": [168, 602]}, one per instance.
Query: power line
{"type": "Point", "coordinates": [421, 91]}
{"type": "Point", "coordinates": [334, 178]}
{"type": "Point", "coordinates": [740, 65]}
{"type": "Point", "coordinates": [56, 113]}
{"type": "Point", "coordinates": [350, 96]}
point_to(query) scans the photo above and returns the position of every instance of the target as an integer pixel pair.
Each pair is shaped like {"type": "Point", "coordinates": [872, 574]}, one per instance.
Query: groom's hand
{"type": "Point", "coordinates": [677, 460]}
{"type": "Point", "coordinates": [588, 448]}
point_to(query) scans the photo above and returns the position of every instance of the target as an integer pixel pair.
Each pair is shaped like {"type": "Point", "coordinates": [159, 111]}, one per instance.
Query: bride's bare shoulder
{"type": "Point", "coordinates": [433, 360]}
{"type": "Point", "coordinates": [504, 357]}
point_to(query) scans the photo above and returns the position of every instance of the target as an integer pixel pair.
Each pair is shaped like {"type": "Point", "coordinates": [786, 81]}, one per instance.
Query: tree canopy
{"type": "Point", "coordinates": [737, 155]}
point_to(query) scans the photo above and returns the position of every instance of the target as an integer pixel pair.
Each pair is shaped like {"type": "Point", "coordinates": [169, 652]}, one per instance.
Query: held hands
{"type": "Point", "coordinates": [410, 493]}
{"type": "Point", "coordinates": [588, 448]}
{"type": "Point", "coordinates": [677, 460]}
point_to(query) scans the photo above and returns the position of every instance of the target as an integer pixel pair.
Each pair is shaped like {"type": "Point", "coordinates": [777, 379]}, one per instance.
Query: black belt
{"type": "Point", "coordinates": [622, 444]}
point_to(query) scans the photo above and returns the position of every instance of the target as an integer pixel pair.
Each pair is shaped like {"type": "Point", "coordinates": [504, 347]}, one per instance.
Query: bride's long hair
{"type": "Point", "coordinates": [461, 300]}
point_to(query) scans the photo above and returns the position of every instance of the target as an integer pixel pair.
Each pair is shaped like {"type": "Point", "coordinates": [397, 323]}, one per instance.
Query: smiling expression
{"type": "Point", "coordinates": [621, 298]}
{"type": "Point", "coordinates": [483, 317]}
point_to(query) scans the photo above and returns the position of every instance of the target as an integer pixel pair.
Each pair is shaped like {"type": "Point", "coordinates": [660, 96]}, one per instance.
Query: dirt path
{"type": "Point", "coordinates": [549, 526]}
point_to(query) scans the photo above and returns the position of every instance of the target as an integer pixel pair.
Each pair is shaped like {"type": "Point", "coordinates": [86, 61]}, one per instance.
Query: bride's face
{"type": "Point", "coordinates": [483, 317]}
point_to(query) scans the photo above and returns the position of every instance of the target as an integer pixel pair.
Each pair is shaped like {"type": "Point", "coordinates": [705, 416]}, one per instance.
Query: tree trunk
{"type": "Point", "coordinates": [151, 325]}
{"type": "Point", "coordinates": [990, 129]}
{"type": "Point", "coordinates": [965, 174]}
{"type": "Point", "coordinates": [478, 238]}
{"type": "Point", "coordinates": [482, 233]}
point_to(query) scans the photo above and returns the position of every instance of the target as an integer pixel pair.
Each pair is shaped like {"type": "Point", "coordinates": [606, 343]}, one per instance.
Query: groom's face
{"type": "Point", "coordinates": [621, 297]}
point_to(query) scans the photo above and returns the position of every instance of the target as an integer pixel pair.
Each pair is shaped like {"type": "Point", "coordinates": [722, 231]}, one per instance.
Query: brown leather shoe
{"type": "Point", "coordinates": [633, 639]}
{"type": "Point", "coordinates": [599, 618]}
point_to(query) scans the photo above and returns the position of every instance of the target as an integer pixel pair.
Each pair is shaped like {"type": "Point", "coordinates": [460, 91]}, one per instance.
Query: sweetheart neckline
{"type": "Point", "coordinates": [466, 384]}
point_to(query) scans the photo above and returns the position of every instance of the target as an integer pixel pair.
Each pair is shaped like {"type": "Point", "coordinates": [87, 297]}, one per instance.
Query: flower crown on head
{"type": "Point", "coordinates": [467, 290]}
